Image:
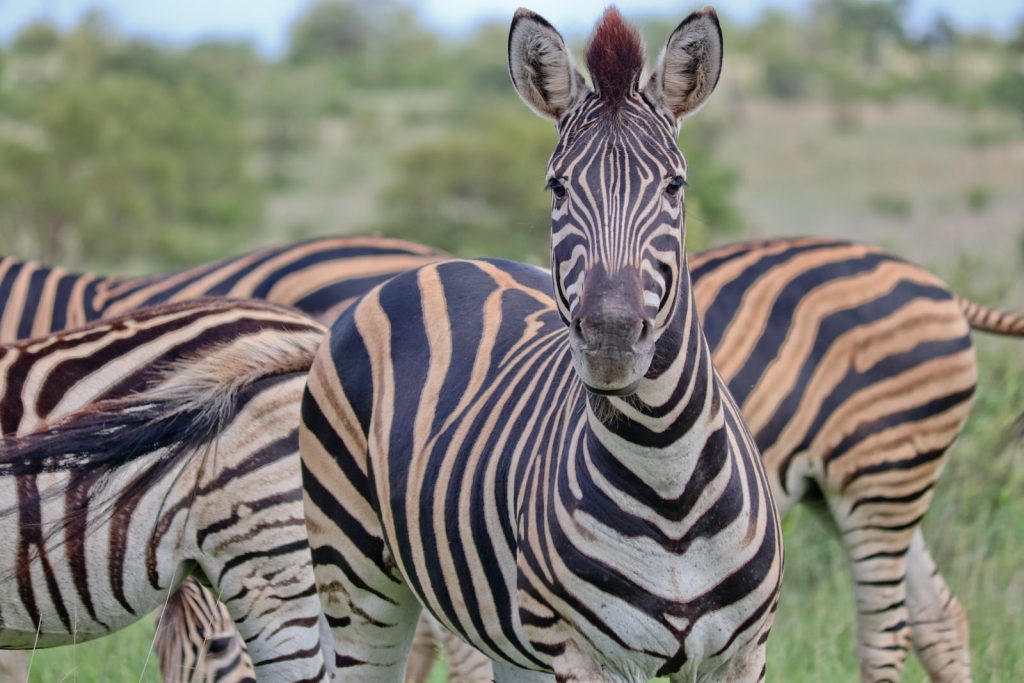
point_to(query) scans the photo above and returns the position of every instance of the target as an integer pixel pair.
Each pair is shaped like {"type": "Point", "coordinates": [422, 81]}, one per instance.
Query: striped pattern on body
{"type": "Point", "coordinates": [36, 299]}
{"type": "Point", "coordinates": [505, 500]}
{"type": "Point", "coordinates": [200, 642]}
{"type": "Point", "coordinates": [147, 445]}
{"type": "Point", "coordinates": [766, 282]}
{"type": "Point", "coordinates": [855, 370]}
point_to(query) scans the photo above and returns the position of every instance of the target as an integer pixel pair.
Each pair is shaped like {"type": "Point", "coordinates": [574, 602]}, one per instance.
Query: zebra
{"type": "Point", "coordinates": [36, 300]}
{"type": "Point", "coordinates": [150, 446]}
{"type": "Point", "coordinates": [321, 276]}
{"type": "Point", "coordinates": [202, 643]}
{"type": "Point", "coordinates": [780, 316]}
{"type": "Point", "coordinates": [506, 456]}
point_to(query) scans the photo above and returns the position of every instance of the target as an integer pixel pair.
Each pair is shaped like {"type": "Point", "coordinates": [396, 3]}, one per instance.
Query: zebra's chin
{"type": "Point", "coordinates": [625, 391]}
{"type": "Point", "coordinates": [612, 374]}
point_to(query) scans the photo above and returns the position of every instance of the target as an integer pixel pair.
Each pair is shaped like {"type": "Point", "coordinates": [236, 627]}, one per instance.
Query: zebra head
{"type": "Point", "coordinates": [617, 178]}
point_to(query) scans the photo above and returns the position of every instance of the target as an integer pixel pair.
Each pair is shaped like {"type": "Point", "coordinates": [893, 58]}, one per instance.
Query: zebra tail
{"type": "Point", "coordinates": [996, 321]}
{"type": "Point", "coordinates": [992, 320]}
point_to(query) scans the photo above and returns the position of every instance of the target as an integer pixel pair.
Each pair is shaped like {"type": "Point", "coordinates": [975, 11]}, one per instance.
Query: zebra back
{"type": "Point", "coordinates": [320, 276]}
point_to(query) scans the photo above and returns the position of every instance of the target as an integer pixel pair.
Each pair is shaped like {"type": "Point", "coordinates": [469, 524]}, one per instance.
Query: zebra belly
{"type": "Point", "coordinates": [64, 584]}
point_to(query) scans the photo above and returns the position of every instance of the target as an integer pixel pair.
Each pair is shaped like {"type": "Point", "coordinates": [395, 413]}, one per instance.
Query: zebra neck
{"type": "Point", "coordinates": [675, 417]}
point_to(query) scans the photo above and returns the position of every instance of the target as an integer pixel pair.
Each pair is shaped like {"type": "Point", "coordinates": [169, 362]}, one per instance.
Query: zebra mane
{"type": "Point", "coordinates": [615, 57]}
{"type": "Point", "coordinates": [172, 423]}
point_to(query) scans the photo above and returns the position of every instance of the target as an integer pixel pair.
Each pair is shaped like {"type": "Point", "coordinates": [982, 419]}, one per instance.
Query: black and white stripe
{"type": "Point", "coordinates": [320, 276]}
{"type": "Point", "coordinates": [199, 641]}
{"type": "Point", "coordinates": [149, 447]}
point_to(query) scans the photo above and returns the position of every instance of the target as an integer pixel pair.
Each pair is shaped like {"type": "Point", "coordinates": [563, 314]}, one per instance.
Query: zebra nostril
{"type": "Point", "coordinates": [576, 329]}
{"type": "Point", "coordinates": [646, 330]}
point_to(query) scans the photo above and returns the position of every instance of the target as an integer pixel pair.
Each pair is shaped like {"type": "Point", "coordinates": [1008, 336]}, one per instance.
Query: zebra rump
{"type": "Point", "coordinates": [95, 443]}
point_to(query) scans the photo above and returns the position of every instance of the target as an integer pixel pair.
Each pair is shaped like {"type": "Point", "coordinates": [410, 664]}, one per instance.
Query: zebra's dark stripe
{"type": "Point", "coordinates": [200, 642]}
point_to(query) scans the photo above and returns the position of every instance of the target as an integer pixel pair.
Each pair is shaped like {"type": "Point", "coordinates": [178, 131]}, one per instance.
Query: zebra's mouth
{"type": "Point", "coordinates": [611, 371]}
{"type": "Point", "coordinates": [624, 391]}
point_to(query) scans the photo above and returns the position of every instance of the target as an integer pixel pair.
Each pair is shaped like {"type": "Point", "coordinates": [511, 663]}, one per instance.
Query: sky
{"type": "Point", "coordinates": [265, 22]}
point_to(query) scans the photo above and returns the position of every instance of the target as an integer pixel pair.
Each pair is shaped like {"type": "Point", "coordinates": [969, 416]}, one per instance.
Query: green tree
{"type": "Point", "coordinates": [122, 148]}
{"type": "Point", "coordinates": [380, 43]}
{"type": "Point", "coordinates": [478, 189]}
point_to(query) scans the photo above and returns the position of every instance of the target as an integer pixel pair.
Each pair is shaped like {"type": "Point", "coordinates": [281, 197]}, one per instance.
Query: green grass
{"type": "Point", "coordinates": [121, 657]}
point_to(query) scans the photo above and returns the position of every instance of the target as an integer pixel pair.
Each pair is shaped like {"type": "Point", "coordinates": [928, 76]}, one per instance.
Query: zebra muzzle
{"type": "Point", "coordinates": [612, 349]}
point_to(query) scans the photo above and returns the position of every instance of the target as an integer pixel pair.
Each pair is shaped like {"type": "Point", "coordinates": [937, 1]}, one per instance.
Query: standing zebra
{"type": "Point", "coordinates": [778, 310]}
{"type": "Point", "coordinates": [506, 457]}
{"type": "Point", "coordinates": [148, 446]}
{"type": "Point", "coordinates": [810, 301]}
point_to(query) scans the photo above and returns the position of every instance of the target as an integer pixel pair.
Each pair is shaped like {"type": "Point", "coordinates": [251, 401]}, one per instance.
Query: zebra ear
{"type": "Point", "coordinates": [541, 66]}
{"type": "Point", "coordinates": [690, 64]}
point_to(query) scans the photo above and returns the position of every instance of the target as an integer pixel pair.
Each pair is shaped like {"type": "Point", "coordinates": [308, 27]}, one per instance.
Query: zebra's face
{"type": "Point", "coordinates": [617, 180]}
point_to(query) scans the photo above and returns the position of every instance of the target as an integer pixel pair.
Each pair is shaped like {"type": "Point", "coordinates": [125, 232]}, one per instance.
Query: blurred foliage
{"type": "Point", "coordinates": [478, 189]}
{"type": "Point", "coordinates": [380, 43]}
{"type": "Point", "coordinates": [109, 147]}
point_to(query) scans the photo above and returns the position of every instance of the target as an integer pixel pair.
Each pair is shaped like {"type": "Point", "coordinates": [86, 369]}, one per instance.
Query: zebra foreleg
{"type": "Point", "coordinates": [373, 618]}
{"type": "Point", "coordinates": [938, 624]}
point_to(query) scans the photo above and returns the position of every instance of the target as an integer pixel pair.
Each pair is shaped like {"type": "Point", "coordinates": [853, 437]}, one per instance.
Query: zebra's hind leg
{"type": "Point", "coordinates": [466, 664]}
{"type": "Point", "coordinates": [13, 665]}
{"type": "Point", "coordinates": [938, 623]}
{"type": "Point", "coordinates": [424, 652]}
{"type": "Point", "coordinates": [505, 673]}
{"type": "Point", "coordinates": [876, 548]}
{"type": "Point", "coordinates": [372, 614]}
{"type": "Point", "coordinates": [749, 669]}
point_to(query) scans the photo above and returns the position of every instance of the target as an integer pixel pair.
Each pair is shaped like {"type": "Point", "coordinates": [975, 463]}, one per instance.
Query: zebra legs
{"type": "Point", "coordinates": [504, 673]}
{"type": "Point", "coordinates": [938, 624]}
{"type": "Point", "coordinates": [748, 670]}
{"type": "Point", "coordinates": [373, 617]}
{"type": "Point", "coordinates": [13, 665]}
{"type": "Point", "coordinates": [466, 664]}
{"type": "Point", "coordinates": [876, 549]}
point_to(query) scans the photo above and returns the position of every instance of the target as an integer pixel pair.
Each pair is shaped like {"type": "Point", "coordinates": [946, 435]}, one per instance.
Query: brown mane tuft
{"type": "Point", "coordinates": [615, 57]}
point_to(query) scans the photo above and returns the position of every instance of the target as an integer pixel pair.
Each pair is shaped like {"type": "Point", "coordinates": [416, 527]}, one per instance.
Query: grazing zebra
{"type": "Point", "coordinates": [562, 480]}
{"type": "Point", "coordinates": [202, 643]}
{"type": "Point", "coordinates": [36, 300]}
{"type": "Point", "coordinates": [150, 446]}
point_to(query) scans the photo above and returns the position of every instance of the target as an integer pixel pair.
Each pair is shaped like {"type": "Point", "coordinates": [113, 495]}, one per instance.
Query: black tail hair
{"type": "Point", "coordinates": [94, 444]}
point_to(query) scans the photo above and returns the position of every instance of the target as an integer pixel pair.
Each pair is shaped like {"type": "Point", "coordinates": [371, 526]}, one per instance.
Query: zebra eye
{"type": "Point", "coordinates": [556, 187]}
{"type": "Point", "coordinates": [219, 645]}
{"type": "Point", "coordinates": [674, 185]}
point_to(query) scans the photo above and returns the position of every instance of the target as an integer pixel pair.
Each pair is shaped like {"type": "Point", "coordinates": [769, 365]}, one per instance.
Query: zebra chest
{"type": "Point", "coordinates": [640, 587]}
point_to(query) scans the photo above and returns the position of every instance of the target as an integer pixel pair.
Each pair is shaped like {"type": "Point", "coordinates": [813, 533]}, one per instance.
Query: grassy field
{"type": "Point", "coordinates": [938, 187]}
